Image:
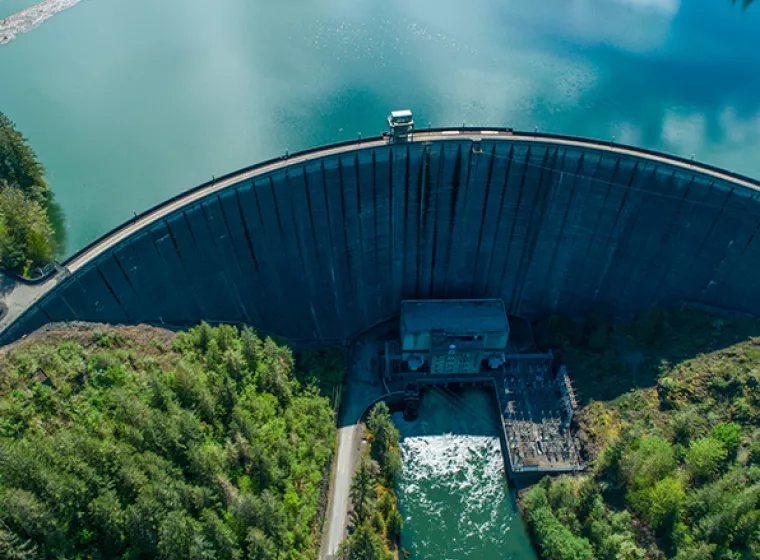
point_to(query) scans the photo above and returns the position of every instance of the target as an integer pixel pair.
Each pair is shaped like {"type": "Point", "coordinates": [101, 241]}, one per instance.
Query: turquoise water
{"type": "Point", "coordinates": [131, 101]}
{"type": "Point", "coordinates": [453, 491]}
{"type": "Point", "coordinates": [8, 7]}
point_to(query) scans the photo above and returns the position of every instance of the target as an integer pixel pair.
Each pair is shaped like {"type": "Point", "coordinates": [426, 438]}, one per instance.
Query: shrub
{"type": "Point", "coordinates": [753, 457]}
{"type": "Point", "coordinates": [554, 539]}
{"type": "Point", "coordinates": [395, 524]}
{"type": "Point", "coordinates": [384, 437]}
{"type": "Point", "coordinates": [649, 460]}
{"type": "Point", "coordinates": [705, 457]}
{"type": "Point", "coordinates": [730, 435]}
{"type": "Point", "coordinates": [26, 235]}
{"type": "Point", "coordinates": [660, 505]}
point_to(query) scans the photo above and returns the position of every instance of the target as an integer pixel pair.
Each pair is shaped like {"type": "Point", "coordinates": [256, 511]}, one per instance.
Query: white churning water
{"type": "Point", "coordinates": [453, 491]}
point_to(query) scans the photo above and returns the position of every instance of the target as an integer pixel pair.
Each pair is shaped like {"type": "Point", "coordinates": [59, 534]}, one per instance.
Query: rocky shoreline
{"type": "Point", "coordinates": [31, 18]}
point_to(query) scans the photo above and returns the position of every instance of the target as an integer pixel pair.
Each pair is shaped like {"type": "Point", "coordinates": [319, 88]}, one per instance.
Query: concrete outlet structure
{"type": "Point", "coordinates": [447, 343]}
{"type": "Point", "coordinates": [453, 336]}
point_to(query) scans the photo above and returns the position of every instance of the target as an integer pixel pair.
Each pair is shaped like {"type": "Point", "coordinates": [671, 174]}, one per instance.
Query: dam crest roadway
{"type": "Point", "coordinates": [325, 243]}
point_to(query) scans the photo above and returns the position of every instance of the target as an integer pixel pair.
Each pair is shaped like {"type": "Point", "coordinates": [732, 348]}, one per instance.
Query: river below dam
{"type": "Point", "coordinates": [453, 491]}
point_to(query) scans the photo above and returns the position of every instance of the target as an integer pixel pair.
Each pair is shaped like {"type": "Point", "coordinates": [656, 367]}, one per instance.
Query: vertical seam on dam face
{"type": "Point", "coordinates": [247, 234]}
{"type": "Point", "coordinates": [514, 267]}
{"type": "Point", "coordinates": [184, 264]}
{"type": "Point", "coordinates": [464, 267]}
{"type": "Point", "coordinates": [609, 188]}
{"type": "Point", "coordinates": [390, 216]}
{"type": "Point", "coordinates": [330, 243]}
{"type": "Point", "coordinates": [631, 231]}
{"type": "Point", "coordinates": [238, 266]}
{"type": "Point", "coordinates": [572, 271]}
{"type": "Point", "coordinates": [499, 220]}
{"type": "Point", "coordinates": [376, 278]}
{"type": "Point", "coordinates": [612, 248]}
{"type": "Point", "coordinates": [320, 246]}
{"type": "Point", "coordinates": [434, 193]}
{"type": "Point", "coordinates": [197, 248]}
{"type": "Point", "coordinates": [733, 273]}
{"type": "Point", "coordinates": [342, 189]}
{"type": "Point", "coordinates": [666, 240]}
{"type": "Point", "coordinates": [718, 274]}
{"type": "Point", "coordinates": [421, 216]}
{"type": "Point", "coordinates": [541, 198]}
{"type": "Point", "coordinates": [489, 178]}
{"type": "Point", "coordinates": [558, 243]}
{"type": "Point", "coordinates": [113, 293]}
{"type": "Point", "coordinates": [407, 181]}
{"type": "Point", "coordinates": [455, 187]}
{"type": "Point", "coordinates": [362, 250]}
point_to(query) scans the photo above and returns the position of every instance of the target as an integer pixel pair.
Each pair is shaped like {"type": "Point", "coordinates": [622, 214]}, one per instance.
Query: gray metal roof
{"type": "Point", "coordinates": [454, 315]}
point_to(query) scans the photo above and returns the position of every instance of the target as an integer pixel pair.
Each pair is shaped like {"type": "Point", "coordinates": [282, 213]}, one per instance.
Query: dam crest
{"type": "Point", "coordinates": [324, 243]}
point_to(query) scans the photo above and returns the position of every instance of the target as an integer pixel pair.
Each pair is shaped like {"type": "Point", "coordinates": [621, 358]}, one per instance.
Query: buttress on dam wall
{"type": "Point", "coordinates": [328, 242]}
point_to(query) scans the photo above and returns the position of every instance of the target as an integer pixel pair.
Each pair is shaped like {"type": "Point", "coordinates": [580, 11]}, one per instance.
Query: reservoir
{"type": "Point", "coordinates": [453, 491]}
{"type": "Point", "coordinates": [129, 102]}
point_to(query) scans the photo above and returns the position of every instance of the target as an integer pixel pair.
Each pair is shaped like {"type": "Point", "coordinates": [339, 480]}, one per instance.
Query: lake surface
{"type": "Point", "coordinates": [8, 7]}
{"type": "Point", "coordinates": [453, 491]}
{"type": "Point", "coordinates": [131, 101]}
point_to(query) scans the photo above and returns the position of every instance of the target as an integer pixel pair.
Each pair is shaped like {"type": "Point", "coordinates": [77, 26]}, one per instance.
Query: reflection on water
{"type": "Point", "coordinates": [132, 101]}
{"type": "Point", "coordinates": [8, 7]}
{"type": "Point", "coordinates": [745, 3]}
{"type": "Point", "coordinates": [453, 491]}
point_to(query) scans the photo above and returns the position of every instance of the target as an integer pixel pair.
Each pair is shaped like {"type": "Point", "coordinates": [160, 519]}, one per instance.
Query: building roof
{"type": "Point", "coordinates": [454, 315]}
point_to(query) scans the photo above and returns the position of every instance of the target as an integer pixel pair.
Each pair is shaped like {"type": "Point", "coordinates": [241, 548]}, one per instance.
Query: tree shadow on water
{"type": "Point", "coordinates": [744, 3]}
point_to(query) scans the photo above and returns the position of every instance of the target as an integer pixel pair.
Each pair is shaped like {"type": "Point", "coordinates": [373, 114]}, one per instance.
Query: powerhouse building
{"type": "Point", "coordinates": [453, 336]}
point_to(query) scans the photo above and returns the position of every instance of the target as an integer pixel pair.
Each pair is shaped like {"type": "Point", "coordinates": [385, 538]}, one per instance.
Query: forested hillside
{"type": "Point", "coordinates": [138, 443]}
{"type": "Point", "coordinates": [28, 238]}
{"type": "Point", "coordinates": [675, 457]}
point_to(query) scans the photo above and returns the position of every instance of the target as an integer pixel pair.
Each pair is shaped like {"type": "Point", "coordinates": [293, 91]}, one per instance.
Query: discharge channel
{"type": "Point", "coordinates": [453, 491]}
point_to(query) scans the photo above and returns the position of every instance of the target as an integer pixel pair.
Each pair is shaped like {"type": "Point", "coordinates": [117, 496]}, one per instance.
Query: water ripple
{"type": "Point", "coordinates": [452, 489]}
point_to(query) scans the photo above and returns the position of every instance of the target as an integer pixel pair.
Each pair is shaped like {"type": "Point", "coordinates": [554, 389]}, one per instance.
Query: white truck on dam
{"type": "Point", "coordinates": [401, 125]}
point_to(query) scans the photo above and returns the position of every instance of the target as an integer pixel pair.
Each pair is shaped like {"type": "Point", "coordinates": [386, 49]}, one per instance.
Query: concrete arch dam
{"type": "Point", "coordinates": [327, 242]}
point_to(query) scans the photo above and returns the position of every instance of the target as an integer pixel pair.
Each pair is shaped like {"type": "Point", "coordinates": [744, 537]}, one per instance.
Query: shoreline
{"type": "Point", "coordinates": [31, 18]}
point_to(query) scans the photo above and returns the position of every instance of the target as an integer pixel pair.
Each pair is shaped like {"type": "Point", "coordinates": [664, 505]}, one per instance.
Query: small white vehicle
{"type": "Point", "coordinates": [401, 124]}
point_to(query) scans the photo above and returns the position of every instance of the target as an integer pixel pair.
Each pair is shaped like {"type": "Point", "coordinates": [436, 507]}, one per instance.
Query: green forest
{"type": "Point", "coordinates": [376, 521]}
{"type": "Point", "coordinates": [670, 423]}
{"type": "Point", "coordinates": [138, 443]}
{"type": "Point", "coordinates": [31, 225]}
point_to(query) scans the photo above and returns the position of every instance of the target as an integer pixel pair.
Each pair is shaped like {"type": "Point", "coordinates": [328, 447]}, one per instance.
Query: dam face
{"type": "Point", "coordinates": [323, 246]}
